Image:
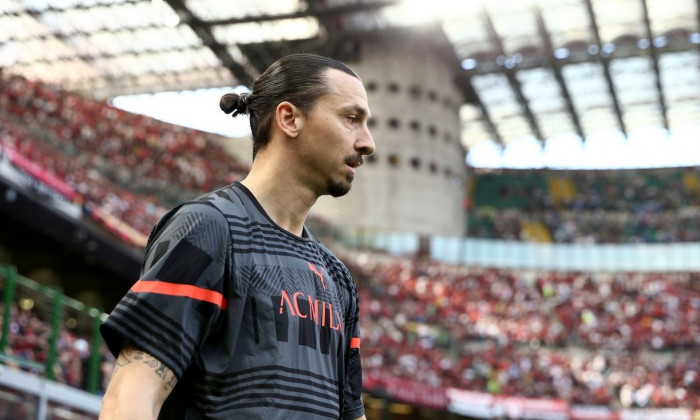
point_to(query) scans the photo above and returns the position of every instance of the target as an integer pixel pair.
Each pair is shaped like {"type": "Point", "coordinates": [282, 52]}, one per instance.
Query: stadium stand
{"type": "Point", "coordinates": [605, 206]}
{"type": "Point", "coordinates": [613, 339]}
{"type": "Point", "coordinates": [125, 169]}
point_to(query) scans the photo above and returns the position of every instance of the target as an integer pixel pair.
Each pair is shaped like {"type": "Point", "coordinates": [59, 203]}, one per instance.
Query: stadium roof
{"type": "Point", "coordinates": [538, 68]}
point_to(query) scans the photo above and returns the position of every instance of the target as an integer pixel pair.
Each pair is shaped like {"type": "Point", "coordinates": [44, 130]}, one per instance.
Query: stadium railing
{"type": "Point", "coordinates": [32, 313]}
{"type": "Point", "coordinates": [50, 353]}
{"type": "Point", "coordinates": [645, 257]}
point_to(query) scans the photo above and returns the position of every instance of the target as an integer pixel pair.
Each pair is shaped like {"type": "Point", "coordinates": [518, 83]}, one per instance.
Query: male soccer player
{"type": "Point", "coordinates": [240, 312]}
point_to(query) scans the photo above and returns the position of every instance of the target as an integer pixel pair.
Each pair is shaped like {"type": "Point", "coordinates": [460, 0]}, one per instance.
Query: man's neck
{"type": "Point", "coordinates": [286, 202]}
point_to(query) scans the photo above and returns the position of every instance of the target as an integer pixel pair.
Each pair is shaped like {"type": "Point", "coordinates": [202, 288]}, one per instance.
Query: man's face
{"type": "Point", "coordinates": [336, 136]}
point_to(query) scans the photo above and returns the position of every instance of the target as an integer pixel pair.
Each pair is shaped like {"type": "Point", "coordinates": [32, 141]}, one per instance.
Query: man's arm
{"type": "Point", "coordinates": [140, 384]}
{"type": "Point", "coordinates": [361, 418]}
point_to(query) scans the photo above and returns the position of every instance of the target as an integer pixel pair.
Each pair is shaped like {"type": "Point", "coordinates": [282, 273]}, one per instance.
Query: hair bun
{"type": "Point", "coordinates": [233, 102]}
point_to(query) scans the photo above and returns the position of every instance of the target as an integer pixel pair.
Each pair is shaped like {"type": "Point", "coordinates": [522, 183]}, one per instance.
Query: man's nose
{"type": "Point", "coordinates": [365, 145]}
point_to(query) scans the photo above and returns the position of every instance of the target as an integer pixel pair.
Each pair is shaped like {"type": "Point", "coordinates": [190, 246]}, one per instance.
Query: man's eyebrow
{"type": "Point", "coordinates": [357, 109]}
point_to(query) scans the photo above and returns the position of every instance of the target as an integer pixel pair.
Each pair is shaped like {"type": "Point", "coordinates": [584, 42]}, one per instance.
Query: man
{"type": "Point", "coordinates": [240, 312]}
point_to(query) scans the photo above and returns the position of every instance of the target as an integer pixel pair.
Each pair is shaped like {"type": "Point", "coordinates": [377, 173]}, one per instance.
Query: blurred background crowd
{"type": "Point", "coordinates": [620, 339]}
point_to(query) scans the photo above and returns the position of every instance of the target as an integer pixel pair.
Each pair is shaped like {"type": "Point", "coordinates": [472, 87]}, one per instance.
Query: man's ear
{"type": "Point", "coordinates": [288, 119]}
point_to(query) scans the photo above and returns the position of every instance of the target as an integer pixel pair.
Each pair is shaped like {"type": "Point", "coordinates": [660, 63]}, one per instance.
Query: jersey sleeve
{"type": "Point", "coordinates": [353, 406]}
{"type": "Point", "coordinates": [179, 299]}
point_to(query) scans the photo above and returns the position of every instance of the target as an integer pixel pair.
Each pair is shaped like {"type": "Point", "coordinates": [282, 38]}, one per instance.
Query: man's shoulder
{"type": "Point", "coordinates": [327, 253]}
{"type": "Point", "coordinates": [225, 200]}
{"type": "Point", "coordinates": [215, 208]}
{"type": "Point", "coordinates": [334, 264]}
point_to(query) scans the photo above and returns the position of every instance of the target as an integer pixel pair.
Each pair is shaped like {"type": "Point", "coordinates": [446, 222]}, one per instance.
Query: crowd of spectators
{"type": "Point", "coordinates": [612, 206]}
{"type": "Point", "coordinates": [613, 339]}
{"type": "Point", "coordinates": [94, 188]}
{"type": "Point", "coordinates": [132, 166]}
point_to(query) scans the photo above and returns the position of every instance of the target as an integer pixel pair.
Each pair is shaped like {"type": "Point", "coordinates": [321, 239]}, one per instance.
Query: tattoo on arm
{"type": "Point", "coordinates": [132, 354]}
{"type": "Point", "coordinates": [122, 359]}
{"type": "Point", "coordinates": [161, 370]}
{"type": "Point", "coordinates": [170, 384]}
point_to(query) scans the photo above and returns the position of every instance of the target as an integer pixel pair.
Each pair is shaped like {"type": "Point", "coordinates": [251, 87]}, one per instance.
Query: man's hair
{"type": "Point", "coordinates": [297, 78]}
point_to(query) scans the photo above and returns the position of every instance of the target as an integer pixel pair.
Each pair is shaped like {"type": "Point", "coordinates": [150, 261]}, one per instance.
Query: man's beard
{"type": "Point", "coordinates": [340, 188]}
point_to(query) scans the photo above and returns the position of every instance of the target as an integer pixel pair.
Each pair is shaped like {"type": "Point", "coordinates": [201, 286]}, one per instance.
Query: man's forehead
{"type": "Point", "coordinates": [342, 82]}
{"type": "Point", "coordinates": [349, 90]}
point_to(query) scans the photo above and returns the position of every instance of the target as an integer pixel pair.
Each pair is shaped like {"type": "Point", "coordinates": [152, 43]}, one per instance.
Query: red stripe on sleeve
{"type": "Point", "coordinates": [355, 343]}
{"type": "Point", "coordinates": [175, 289]}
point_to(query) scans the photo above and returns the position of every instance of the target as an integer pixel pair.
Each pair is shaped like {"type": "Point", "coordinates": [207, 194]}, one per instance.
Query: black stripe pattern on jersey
{"type": "Point", "coordinates": [265, 386]}
{"type": "Point", "coordinates": [254, 237]}
{"type": "Point", "coordinates": [159, 335]}
{"type": "Point", "coordinates": [175, 272]}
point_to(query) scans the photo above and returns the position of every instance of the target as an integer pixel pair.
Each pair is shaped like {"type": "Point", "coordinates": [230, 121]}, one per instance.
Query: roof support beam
{"type": "Point", "coordinates": [697, 13]}
{"type": "Point", "coordinates": [95, 87]}
{"type": "Point", "coordinates": [464, 82]}
{"type": "Point", "coordinates": [263, 58]}
{"type": "Point", "coordinates": [79, 6]}
{"type": "Point", "coordinates": [92, 58]}
{"type": "Point", "coordinates": [203, 31]}
{"type": "Point", "coordinates": [326, 21]}
{"type": "Point", "coordinates": [512, 78]}
{"type": "Point", "coordinates": [462, 78]}
{"type": "Point", "coordinates": [315, 11]}
{"type": "Point", "coordinates": [655, 62]}
{"type": "Point", "coordinates": [556, 69]}
{"type": "Point", "coordinates": [697, 16]}
{"type": "Point", "coordinates": [605, 62]}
